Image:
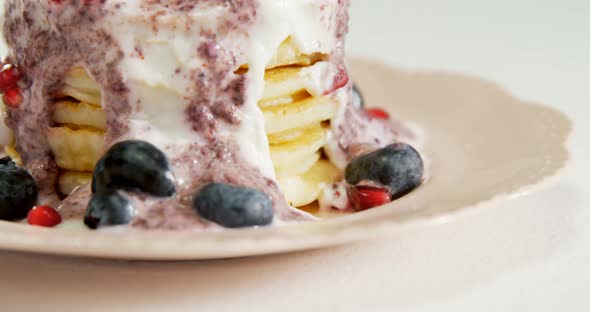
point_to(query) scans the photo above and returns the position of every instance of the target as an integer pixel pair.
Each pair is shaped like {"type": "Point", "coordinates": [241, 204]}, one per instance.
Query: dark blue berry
{"type": "Point", "coordinates": [7, 161]}
{"type": "Point", "coordinates": [18, 191]}
{"type": "Point", "coordinates": [135, 166]}
{"type": "Point", "coordinates": [98, 169]}
{"type": "Point", "coordinates": [357, 97]}
{"type": "Point", "coordinates": [108, 209]}
{"type": "Point", "coordinates": [232, 206]}
{"type": "Point", "coordinates": [398, 167]}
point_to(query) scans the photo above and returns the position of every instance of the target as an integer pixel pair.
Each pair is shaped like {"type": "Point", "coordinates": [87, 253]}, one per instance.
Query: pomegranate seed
{"type": "Point", "coordinates": [43, 216]}
{"type": "Point", "coordinates": [340, 80]}
{"type": "Point", "coordinates": [9, 77]}
{"type": "Point", "coordinates": [12, 97]}
{"type": "Point", "coordinates": [377, 113]}
{"type": "Point", "coordinates": [365, 197]}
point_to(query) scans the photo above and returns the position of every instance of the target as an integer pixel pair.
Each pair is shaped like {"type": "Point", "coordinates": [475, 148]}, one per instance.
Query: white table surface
{"type": "Point", "coordinates": [530, 254]}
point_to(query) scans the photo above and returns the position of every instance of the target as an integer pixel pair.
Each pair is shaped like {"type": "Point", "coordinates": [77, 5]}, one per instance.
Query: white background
{"type": "Point", "coordinates": [529, 254]}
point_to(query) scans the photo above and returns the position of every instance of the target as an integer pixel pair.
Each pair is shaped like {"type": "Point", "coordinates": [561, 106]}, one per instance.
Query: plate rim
{"type": "Point", "coordinates": [269, 240]}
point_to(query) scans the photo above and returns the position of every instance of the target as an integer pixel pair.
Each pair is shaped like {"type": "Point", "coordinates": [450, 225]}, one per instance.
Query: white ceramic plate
{"type": "Point", "coordinates": [481, 144]}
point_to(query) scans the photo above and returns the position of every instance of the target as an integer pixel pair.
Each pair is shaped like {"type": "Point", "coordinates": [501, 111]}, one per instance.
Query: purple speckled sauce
{"type": "Point", "coordinates": [46, 40]}
{"type": "Point", "coordinates": [46, 43]}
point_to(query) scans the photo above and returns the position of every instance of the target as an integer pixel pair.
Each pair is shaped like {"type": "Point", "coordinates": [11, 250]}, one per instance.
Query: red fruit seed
{"type": "Point", "coordinates": [377, 113]}
{"type": "Point", "coordinates": [9, 78]}
{"type": "Point", "coordinates": [340, 80]}
{"type": "Point", "coordinates": [43, 216]}
{"type": "Point", "coordinates": [12, 97]}
{"type": "Point", "coordinates": [364, 197]}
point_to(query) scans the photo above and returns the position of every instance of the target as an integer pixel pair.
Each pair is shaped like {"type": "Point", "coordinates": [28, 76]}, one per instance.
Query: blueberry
{"type": "Point", "coordinates": [357, 97]}
{"type": "Point", "coordinates": [108, 209]}
{"type": "Point", "coordinates": [18, 191]}
{"type": "Point", "coordinates": [134, 166]}
{"type": "Point", "coordinates": [98, 169]}
{"type": "Point", "coordinates": [232, 206]}
{"type": "Point", "coordinates": [398, 167]}
{"type": "Point", "coordinates": [7, 161]}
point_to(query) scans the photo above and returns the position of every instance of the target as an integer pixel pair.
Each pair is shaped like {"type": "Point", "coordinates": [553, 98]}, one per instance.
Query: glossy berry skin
{"type": "Point", "coordinates": [108, 209]}
{"type": "Point", "coordinates": [12, 97]}
{"type": "Point", "coordinates": [377, 113]}
{"type": "Point", "coordinates": [7, 161]}
{"type": "Point", "coordinates": [357, 97]}
{"type": "Point", "coordinates": [18, 191]}
{"type": "Point", "coordinates": [98, 170]}
{"type": "Point", "coordinates": [43, 216]}
{"type": "Point", "coordinates": [398, 167]}
{"type": "Point", "coordinates": [9, 77]}
{"type": "Point", "coordinates": [363, 197]}
{"type": "Point", "coordinates": [135, 166]}
{"type": "Point", "coordinates": [232, 206]}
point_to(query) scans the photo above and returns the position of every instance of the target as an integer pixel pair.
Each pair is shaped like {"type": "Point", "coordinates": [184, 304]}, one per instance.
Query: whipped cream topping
{"type": "Point", "coordinates": [354, 133]}
{"type": "Point", "coordinates": [168, 75]}
{"type": "Point", "coordinates": [158, 64]}
{"type": "Point", "coordinates": [173, 73]}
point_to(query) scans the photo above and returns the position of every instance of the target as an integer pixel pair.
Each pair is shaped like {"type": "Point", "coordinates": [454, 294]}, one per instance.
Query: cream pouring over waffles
{"type": "Point", "coordinates": [191, 115]}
